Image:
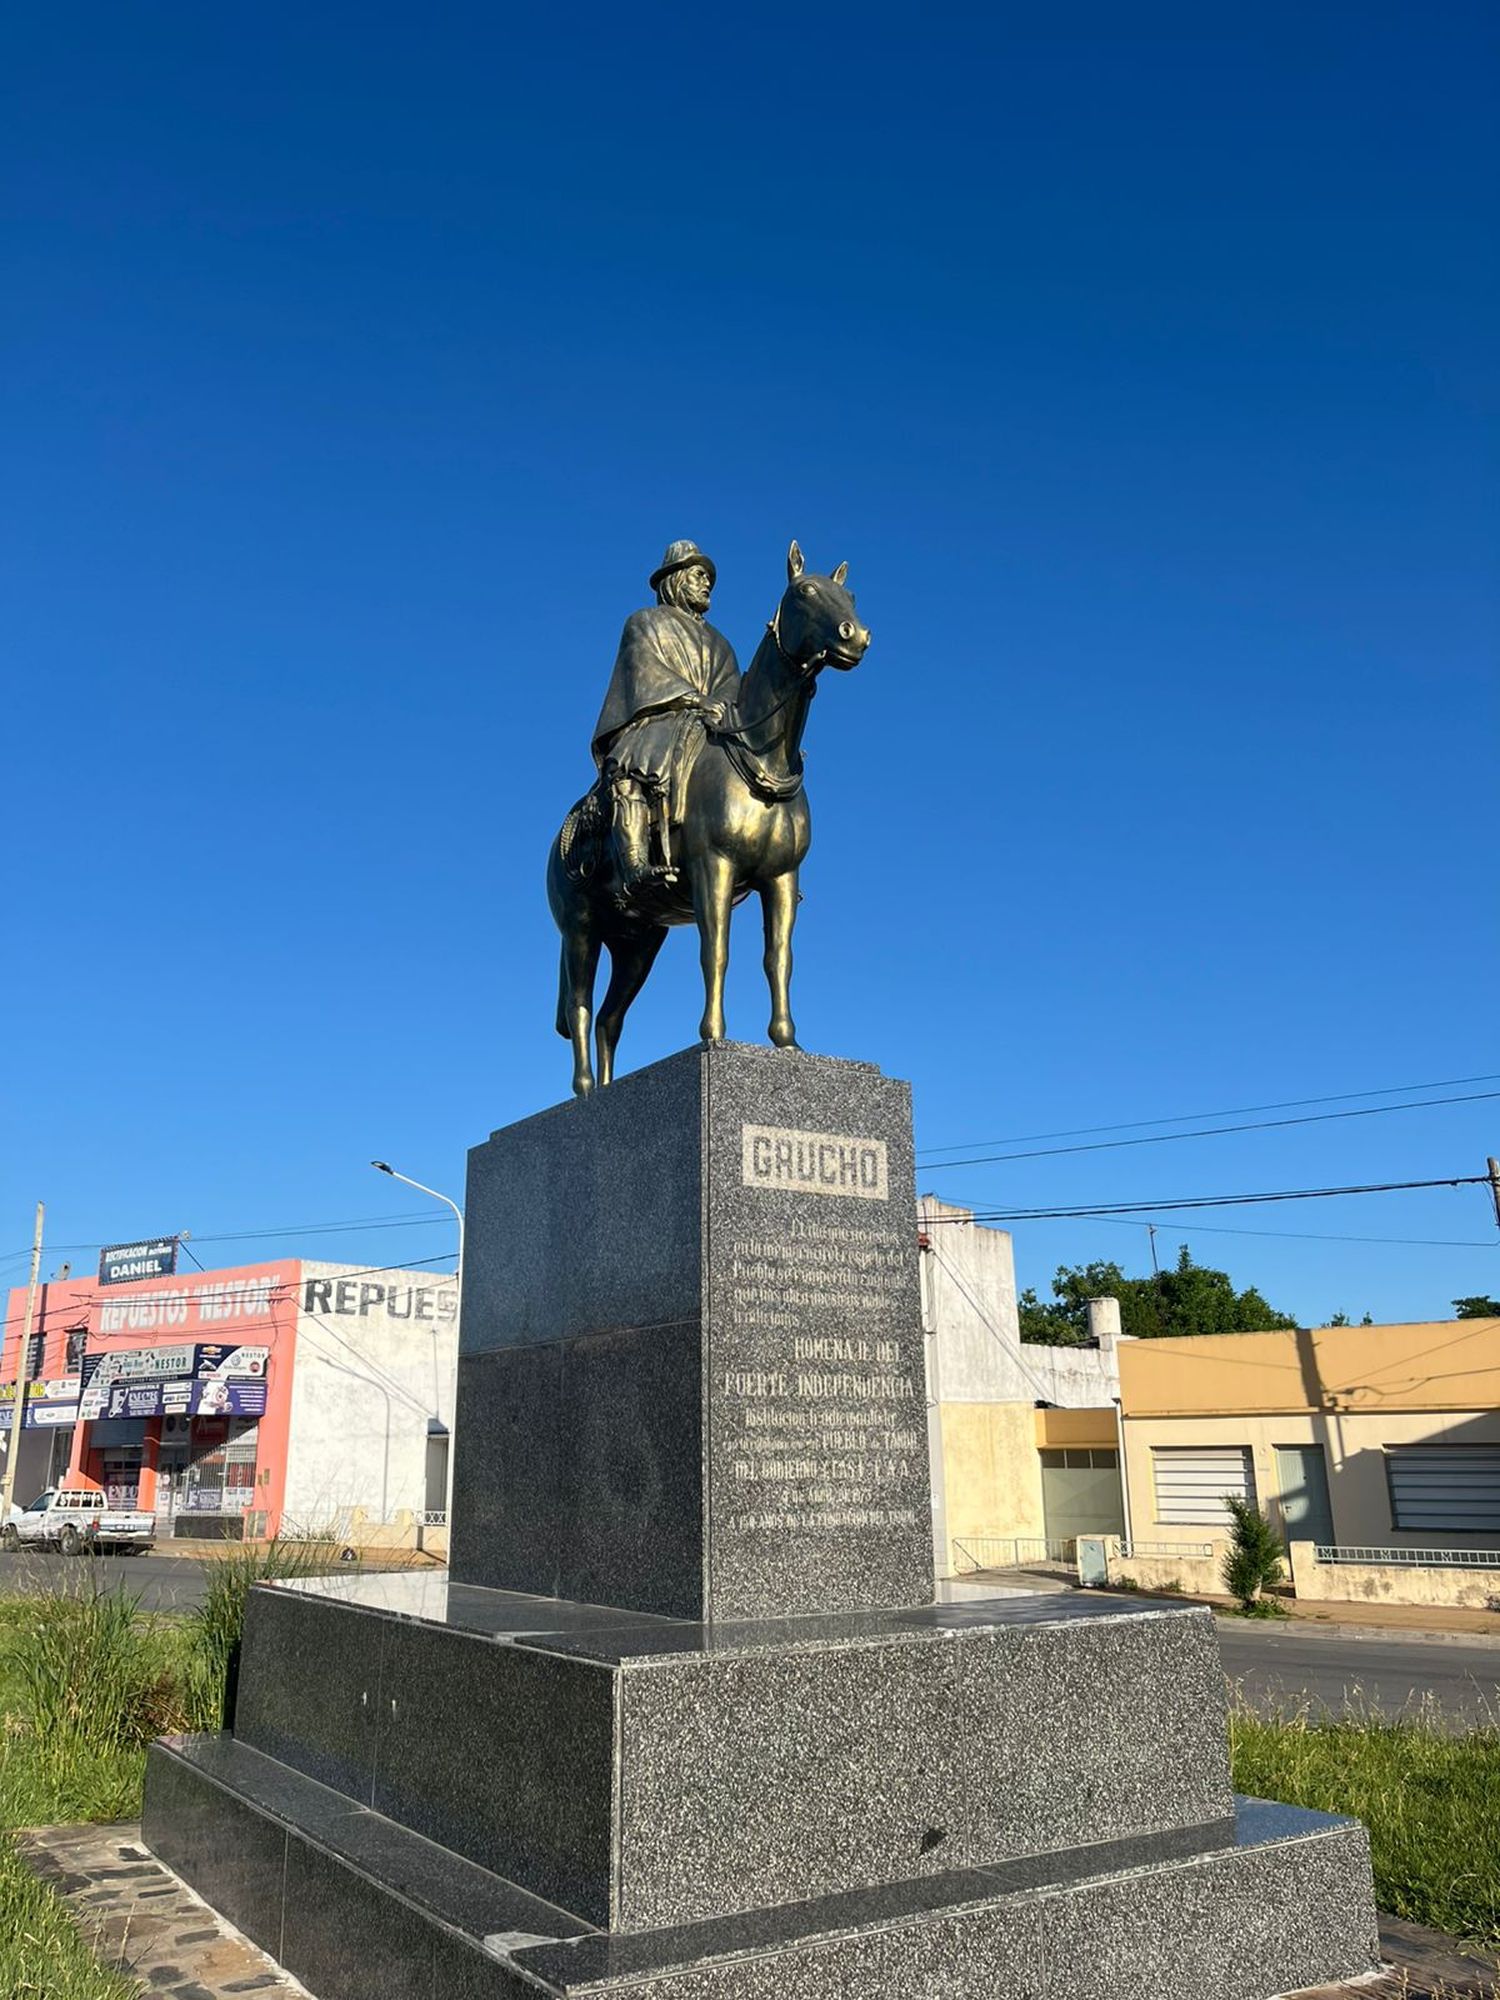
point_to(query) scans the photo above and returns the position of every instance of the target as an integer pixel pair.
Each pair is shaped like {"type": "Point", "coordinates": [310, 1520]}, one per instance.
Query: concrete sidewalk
{"type": "Point", "coordinates": [1405, 1621]}
{"type": "Point", "coordinates": [1394, 1621]}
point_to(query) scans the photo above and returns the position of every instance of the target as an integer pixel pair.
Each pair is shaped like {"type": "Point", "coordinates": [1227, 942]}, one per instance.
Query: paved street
{"type": "Point", "coordinates": [1341, 1670]}
{"type": "Point", "coordinates": [163, 1583]}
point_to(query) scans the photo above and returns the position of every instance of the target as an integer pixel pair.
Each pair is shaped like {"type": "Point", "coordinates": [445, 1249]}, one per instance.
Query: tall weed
{"type": "Point", "coordinates": [216, 1626]}
{"type": "Point", "coordinates": [88, 1681]}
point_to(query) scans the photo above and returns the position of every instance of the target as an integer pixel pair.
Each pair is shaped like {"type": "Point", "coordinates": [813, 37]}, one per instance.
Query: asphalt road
{"type": "Point", "coordinates": [1345, 1672]}
{"type": "Point", "coordinates": [163, 1583]}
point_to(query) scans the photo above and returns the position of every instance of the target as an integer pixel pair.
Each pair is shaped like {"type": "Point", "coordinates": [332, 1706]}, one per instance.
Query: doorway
{"type": "Point", "coordinates": [1302, 1487]}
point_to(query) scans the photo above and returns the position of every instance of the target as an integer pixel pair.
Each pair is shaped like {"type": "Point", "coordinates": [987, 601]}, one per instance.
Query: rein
{"type": "Point", "coordinates": [749, 763]}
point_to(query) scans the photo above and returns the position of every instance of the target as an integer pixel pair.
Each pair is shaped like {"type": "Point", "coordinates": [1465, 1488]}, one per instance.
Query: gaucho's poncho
{"type": "Point", "coordinates": [669, 667]}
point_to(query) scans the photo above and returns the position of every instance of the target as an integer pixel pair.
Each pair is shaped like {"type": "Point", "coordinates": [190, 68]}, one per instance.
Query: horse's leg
{"type": "Point", "coordinates": [778, 901]}
{"type": "Point", "coordinates": [713, 894]}
{"type": "Point", "coordinates": [580, 961]}
{"type": "Point", "coordinates": [629, 965]}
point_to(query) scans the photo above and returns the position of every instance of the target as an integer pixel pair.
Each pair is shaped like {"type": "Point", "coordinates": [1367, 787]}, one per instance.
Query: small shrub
{"type": "Point", "coordinates": [1172, 1587]}
{"type": "Point", "coordinates": [1253, 1561]}
{"type": "Point", "coordinates": [1123, 1583]}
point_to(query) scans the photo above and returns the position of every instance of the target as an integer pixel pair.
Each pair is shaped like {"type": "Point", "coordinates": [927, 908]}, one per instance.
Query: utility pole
{"type": "Point", "coordinates": [1494, 1166]}
{"type": "Point", "coordinates": [23, 1356]}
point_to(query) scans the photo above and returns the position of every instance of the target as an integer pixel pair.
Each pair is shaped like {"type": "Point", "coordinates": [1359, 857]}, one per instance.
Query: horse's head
{"type": "Point", "coordinates": [816, 624]}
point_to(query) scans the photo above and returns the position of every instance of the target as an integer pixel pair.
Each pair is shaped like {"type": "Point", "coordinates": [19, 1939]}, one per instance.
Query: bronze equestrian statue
{"type": "Point", "coordinates": [704, 766]}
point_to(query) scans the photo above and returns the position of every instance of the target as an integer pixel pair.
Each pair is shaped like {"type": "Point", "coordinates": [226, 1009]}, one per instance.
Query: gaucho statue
{"type": "Point", "coordinates": [674, 674]}
{"type": "Point", "coordinates": [699, 798]}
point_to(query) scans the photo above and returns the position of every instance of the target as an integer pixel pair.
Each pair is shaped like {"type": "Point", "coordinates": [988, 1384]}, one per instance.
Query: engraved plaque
{"type": "Point", "coordinates": [836, 1163]}
{"type": "Point", "coordinates": [816, 1390]}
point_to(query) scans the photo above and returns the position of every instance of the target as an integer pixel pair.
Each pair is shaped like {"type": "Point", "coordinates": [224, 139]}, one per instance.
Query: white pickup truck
{"type": "Point", "coordinates": [75, 1522]}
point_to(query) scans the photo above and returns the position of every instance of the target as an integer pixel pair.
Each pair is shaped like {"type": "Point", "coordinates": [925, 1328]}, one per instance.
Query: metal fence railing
{"type": "Point", "coordinates": [986, 1552]}
{"type": "Point", "coordinates": [1168, 1551]}
{"type": "Point", "coordinates": [435, 1517]}
{"type": "Point", "coordinates": [1410, 1558]}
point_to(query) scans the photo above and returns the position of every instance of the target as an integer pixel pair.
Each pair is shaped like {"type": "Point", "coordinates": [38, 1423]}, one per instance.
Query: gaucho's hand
{"type": "Point", "coordinates": [714, 713]}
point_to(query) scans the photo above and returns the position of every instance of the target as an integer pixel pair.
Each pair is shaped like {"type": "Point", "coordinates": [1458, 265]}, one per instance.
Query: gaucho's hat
{"type": "Point", "coordinates": [682, 555]}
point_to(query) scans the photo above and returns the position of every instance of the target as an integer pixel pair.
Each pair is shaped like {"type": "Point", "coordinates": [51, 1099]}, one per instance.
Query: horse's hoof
{"type": "Point", "coordinates": [784, 1035]}
{"type": "Point", "coordinates": [583, 1086]}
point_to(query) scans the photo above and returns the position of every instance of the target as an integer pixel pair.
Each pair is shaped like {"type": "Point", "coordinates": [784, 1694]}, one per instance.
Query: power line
{"type": "Point", "coordinates": [989, 1325]}
{"type": "Point", "coordinates": [1309, 1235]}
{"type": "Point", "coordinates": [1233, 1111]}
{"type": "Point", "coordinates": [1209, 1131]}
{"type": "Point", "coordinates": [1085, 1209]}
{"type": "Point", "coordinates": [411, 1218]}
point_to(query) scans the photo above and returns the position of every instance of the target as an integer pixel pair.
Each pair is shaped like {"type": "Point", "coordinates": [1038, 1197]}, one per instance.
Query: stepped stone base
{"type": "Point", "coordinates": [439, 1790]}
{"type": "Point", "coordinates": [647, 1773]}
{"type": "Point", "coordinates": [354, 1906]}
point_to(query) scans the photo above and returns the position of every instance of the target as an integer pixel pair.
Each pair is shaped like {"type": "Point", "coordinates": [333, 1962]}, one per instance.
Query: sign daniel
{"type": "Point", "coordinates": [123, 1263]}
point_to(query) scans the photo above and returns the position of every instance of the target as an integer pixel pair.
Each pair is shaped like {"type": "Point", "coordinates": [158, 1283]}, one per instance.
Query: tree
{"type": "Point", "coordinates": [1478, 1307]}
{"type": "Point", "coordinates": [1190, 1298]}
{"type": "Point", "coordinates": [1065, 1323]}
{"type": "Point", "coordinates": [1252, 1562]}
{"type": "Point", "coordinates": [1343, 1319]}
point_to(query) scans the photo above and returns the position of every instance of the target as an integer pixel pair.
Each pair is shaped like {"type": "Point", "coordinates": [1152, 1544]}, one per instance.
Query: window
{"type": "Point", "coordinates": [1077, 1459]}
{"type": "Point", "coordinates": [221, 1476]}
{"type": "Point", "coordinates": [1448, 1489]}
{"type": "Point", "coordinates": [77, 1336]}
{"type": "Point", "coordinates": [1192, 1480]}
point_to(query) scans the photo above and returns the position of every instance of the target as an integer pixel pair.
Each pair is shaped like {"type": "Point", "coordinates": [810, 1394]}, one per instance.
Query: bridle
{"type": "Point", "coordinates": [806, 667]}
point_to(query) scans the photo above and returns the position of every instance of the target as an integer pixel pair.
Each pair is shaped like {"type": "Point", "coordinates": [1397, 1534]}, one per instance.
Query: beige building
{"type": "Point", "coordinates": [1022, 1436]}
{"type": "Point", "coordinates": [1377, 1441]}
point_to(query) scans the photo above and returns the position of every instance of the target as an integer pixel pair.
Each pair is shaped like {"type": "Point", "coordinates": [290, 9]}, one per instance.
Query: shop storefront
{"type": "Point", "coordinates": [176, 1428]}
{"type": "Point", "coordinates": [273, 1398]}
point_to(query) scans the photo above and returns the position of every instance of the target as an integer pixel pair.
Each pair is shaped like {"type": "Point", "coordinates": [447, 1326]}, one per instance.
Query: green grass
{"type": "Point", "coordinates": [1430, 1797]}
{"type": "Point", "coordinates": [42, 1955]}
{"type": "Point", "coordinates": [86, 1682]}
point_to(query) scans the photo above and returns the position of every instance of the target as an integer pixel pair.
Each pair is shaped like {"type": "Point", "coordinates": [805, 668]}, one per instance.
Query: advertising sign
{"type": "Point", "coordinates": [213, 1377]}
{"type": "Point", "coordinates": [124, 1263]}
{"type": "Point", "coordinates": [179, 1399]}
{"type": "Point", "coordinates": [48, 1404]}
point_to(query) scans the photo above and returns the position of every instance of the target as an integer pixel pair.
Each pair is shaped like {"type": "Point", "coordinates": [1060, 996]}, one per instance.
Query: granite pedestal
{"type": "Point", "coordinates": [691, 1377]}
{"type": "Point", "coordinates": [684, 1721]}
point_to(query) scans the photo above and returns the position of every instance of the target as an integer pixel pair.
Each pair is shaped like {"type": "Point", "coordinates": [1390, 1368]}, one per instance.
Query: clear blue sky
{"type": "Point", "coordinates": [358, 363]}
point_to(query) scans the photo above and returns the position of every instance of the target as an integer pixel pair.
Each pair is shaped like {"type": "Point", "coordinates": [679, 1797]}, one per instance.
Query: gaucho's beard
{"type": "Point", "coordinates": [673, 590]}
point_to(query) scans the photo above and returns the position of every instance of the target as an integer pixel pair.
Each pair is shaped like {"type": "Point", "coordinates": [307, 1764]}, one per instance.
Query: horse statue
{"type": "Point", "coordinates": [745, 826]}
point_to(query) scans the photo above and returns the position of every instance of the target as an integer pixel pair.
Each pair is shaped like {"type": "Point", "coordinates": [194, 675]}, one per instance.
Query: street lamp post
{"type": "Point", "coordinates": [382, 1167]}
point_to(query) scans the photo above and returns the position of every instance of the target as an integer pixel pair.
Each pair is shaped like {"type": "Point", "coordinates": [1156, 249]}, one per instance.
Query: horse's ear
{"type": "Point", "coordinates": [841, 572]}
{"type": "Point", "coordinates": [794, 563]}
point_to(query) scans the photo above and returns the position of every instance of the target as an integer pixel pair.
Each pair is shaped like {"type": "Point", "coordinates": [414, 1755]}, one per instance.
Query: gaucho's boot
{"type": "Point", "coordinates": [632, 845]}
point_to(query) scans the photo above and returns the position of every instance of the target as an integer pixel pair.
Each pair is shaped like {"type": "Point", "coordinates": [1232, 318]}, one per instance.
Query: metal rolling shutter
{"type": "Point", "coordinates": [1454, 1488]}
{"type": "Point", "coordinates": [1191, 1481]}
